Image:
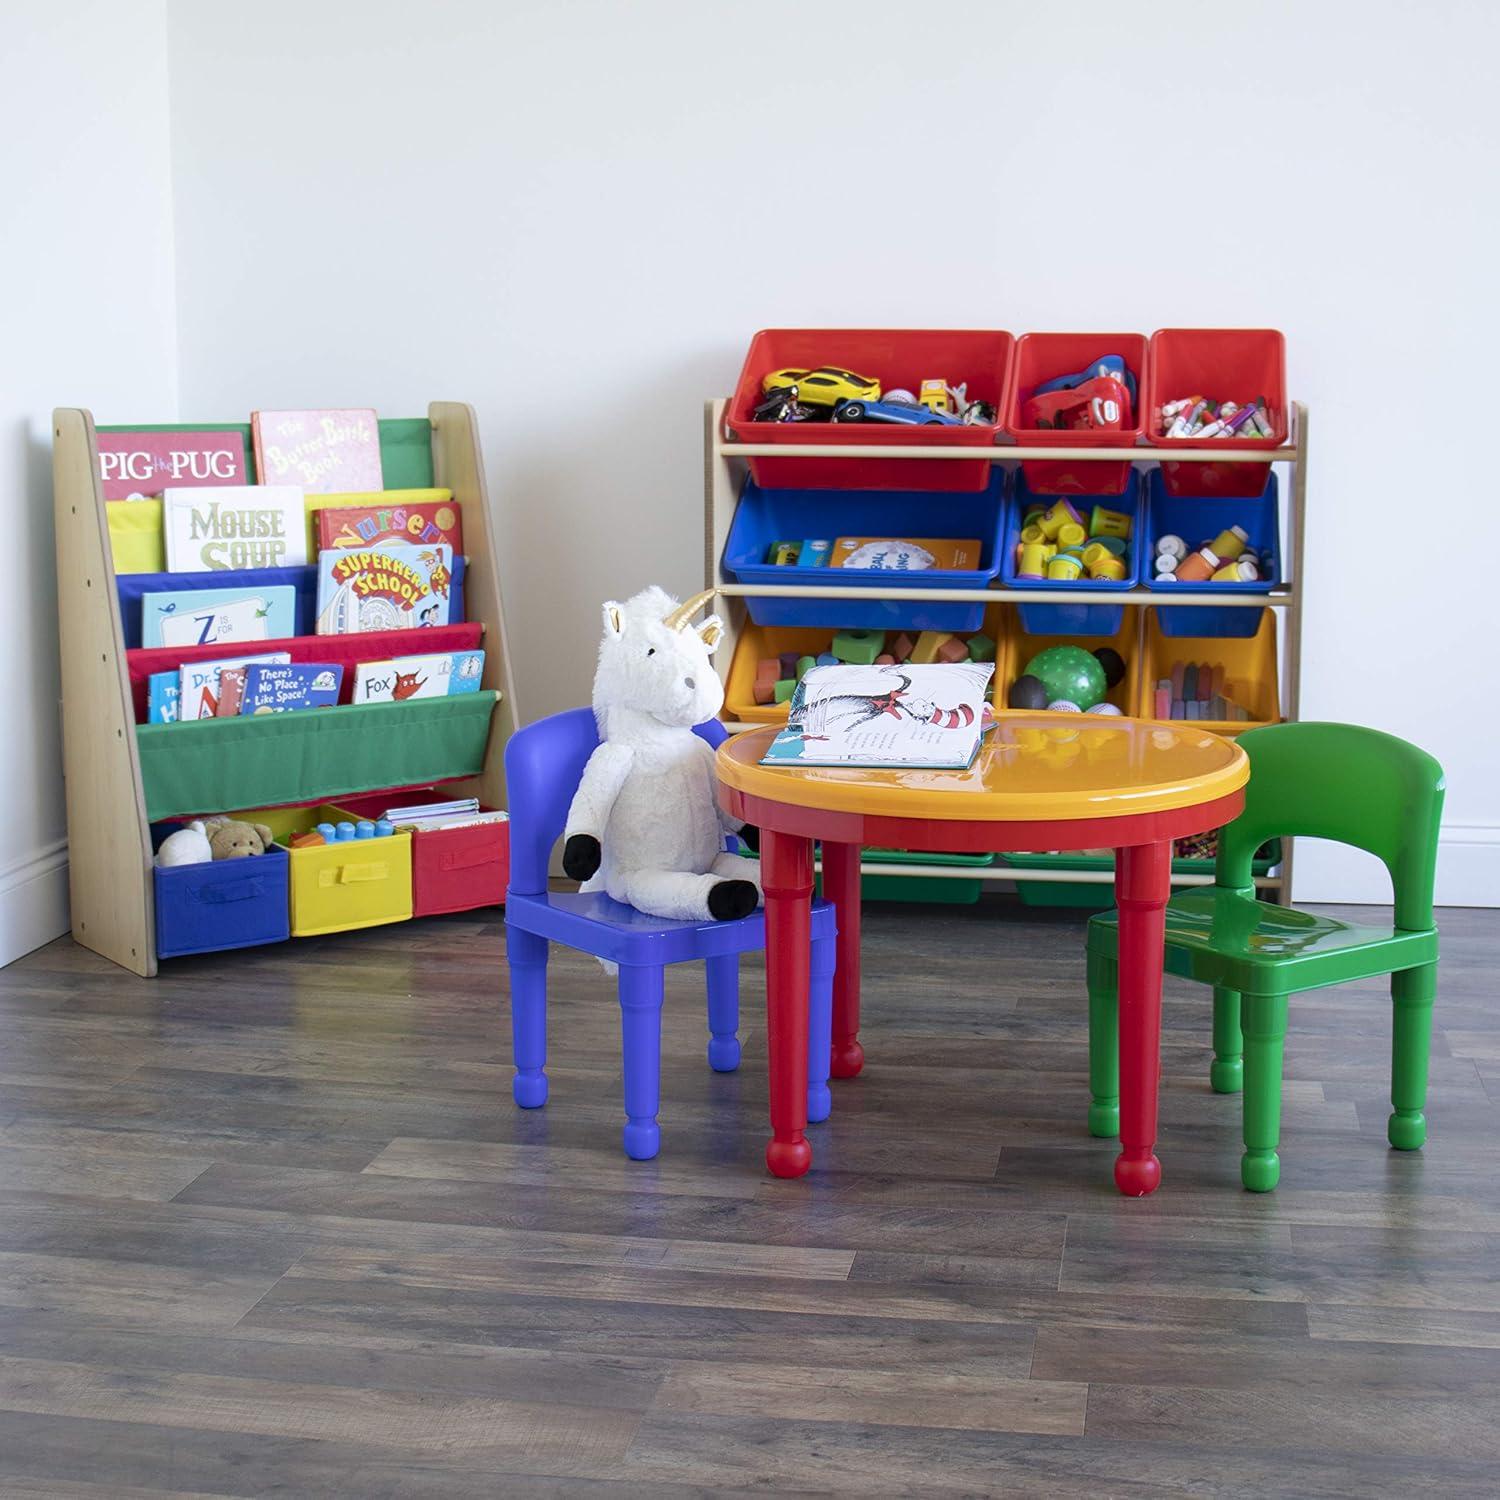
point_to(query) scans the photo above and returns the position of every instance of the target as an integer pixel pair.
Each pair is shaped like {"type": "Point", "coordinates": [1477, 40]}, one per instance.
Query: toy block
{"type": "Point", "coordinates": [827, 659]}
{"type": "Point", "coordinates": [858, 647]}
{"type": "Point", "coordinates": [901, 647]}
{"type": "Point", "coordinates": [783, 690]}
{"type": "Point", "coordinates": [764, 692]}
{"type": "Point", "coordinates": [805, 664]}
{"type": "Point", "coordinates": [885, 659]}
{"type": "Point", "coordinates": [767, 670]}
{"type": "Point", "coordinates": [953, 650]}
{"type": "Point", "coordinates": [788, 661]}
{"type": "Point", "coordinates": [929, 643]}
{"type": "Point", "coordinates": [981, 648]}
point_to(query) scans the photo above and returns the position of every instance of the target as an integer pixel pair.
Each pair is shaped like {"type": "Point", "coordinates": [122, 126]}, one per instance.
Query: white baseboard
{"type": "Point", "coordinates": [33, 901]}
{"type": "Point", "coordinates": [1468, 870]}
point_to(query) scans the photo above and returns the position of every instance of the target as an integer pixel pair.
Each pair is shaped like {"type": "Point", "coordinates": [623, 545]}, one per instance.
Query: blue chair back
{"type": "Point", "coordinates": [543, 765]}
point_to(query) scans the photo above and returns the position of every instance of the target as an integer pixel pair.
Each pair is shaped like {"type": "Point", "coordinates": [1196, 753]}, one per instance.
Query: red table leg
{"type": "Point", "coordinates": [787, 879]}
{"type": "Point", "coordinates": [841, 886]}
{"type": "Point", "coordinates": [1142, 885]}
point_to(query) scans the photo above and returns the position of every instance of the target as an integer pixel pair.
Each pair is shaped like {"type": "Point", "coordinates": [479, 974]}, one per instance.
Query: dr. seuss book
{"type": "Point", "coordinates": [395, 586]}
{"type": "Point", "coordinates": [163, 691]}
{"type": "Point", "coordinates": [440, 675]}
{"type": "Point", "coordinates": [253, 526]}
{"type": "Point", "coordinates": [927, 717]}
{"type": "Point", "coordinates": [905, 554]}
{"type": "Point", "coordinates": [206, 617]}
{"type": "Point", "coordinates": [298, 684]}
{"type": "Point", "coordinates": [419, 516]}
{"type": "Point", "coordinates": [231, 692]}
{"type": "Point", "coordinates": [326, 452]}
{"type": "Point", "coordinates": [199, 682]}
{"type": "Point", "coordinates": [140, 465]}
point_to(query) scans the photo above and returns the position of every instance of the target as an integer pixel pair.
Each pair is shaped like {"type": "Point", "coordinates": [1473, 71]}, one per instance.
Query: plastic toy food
{"type": "Point", "coordinates": [823, 386]}
{"type": "Point", "coordinates": [885, 411]}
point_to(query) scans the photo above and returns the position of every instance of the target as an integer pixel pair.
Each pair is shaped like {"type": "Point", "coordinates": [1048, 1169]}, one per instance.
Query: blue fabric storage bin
{"type": "Point", "coordinates": [305, 580]}
{"type": "Point", "coordinates": [1092, 614]}
{"type": "Point", "coordinates": [1198, 519]}
{"type": "Point", "coordinates": [226, 903]}
{"type": "Point", "coordinates": [764, 517]}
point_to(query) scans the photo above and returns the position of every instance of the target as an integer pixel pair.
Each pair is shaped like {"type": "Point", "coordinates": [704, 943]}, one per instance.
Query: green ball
{"type": "Point", "coordinates": [1069, 673]}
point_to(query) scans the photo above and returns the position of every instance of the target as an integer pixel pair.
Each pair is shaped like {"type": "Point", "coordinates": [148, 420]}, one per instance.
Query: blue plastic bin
{"type": "Point", "coordinates": [1092, 615]}
{"type": "Point", "coordinates": [227, 903]}
{"type": "Point", "coordinates": [1198, 519]}
{"type": "Point", "coordinates": [768, 516]}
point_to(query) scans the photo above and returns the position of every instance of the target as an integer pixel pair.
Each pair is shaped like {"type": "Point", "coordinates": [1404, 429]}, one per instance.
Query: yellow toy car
{"type": "Point", "coordinates": [824, 386]}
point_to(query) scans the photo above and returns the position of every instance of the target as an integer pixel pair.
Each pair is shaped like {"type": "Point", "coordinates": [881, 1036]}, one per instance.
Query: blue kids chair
{"type": "Point", "coordinates": [543, 765]}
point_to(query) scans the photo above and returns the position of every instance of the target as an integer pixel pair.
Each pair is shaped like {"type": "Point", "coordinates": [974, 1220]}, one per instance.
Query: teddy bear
{"type": "Point", "coordinates": [213, 838]}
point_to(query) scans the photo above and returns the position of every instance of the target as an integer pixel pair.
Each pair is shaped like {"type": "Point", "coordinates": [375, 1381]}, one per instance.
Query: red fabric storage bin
{"type": "Point", "coordinates": [452, 869]}
{"type": "Point", "coordinates": [895, 357]}
{"type": "Point", "coordinates": [347, 650]}
{"type": "Point", "coordinates": [1224, 364]}
{"type": "Point", "coordinates": [1041, 357]}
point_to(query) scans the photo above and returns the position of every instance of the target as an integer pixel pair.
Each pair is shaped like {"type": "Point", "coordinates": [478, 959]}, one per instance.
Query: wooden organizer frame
{"type": "Point", "coordinates": [724, 457]}
{"type": "Point", "coordinates": [109, 838]}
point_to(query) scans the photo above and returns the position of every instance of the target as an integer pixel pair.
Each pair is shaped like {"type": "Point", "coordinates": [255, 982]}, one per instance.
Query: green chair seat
{"type": "Point", "coordinates": [1228, 938]}
{"type": "Point", "coordinates": [1329, 781]}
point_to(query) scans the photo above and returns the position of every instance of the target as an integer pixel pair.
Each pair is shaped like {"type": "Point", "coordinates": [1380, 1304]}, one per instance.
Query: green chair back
{"type": "Point", "coordinates": [1352, 785]}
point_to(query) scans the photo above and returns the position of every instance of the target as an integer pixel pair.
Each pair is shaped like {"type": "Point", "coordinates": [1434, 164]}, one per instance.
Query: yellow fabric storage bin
{"type": "Point", "coordinates": [335, 887]}
{"type": "Point", "coordinates": [135, 536]}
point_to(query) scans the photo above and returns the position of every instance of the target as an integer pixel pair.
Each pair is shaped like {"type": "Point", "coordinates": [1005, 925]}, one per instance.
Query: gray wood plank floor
{"type": "Point", "coordinates": [271, 1225]}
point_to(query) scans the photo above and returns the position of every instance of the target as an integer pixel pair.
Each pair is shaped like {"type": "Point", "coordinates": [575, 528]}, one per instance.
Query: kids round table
{"type": "Point", "coordinates": [1039, 782]}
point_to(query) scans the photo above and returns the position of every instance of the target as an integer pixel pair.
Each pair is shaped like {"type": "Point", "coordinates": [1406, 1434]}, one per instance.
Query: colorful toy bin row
{"type": "Point", "coordinates": [930, 388]}
{"type": "Point", "coordinates": [301, 887]}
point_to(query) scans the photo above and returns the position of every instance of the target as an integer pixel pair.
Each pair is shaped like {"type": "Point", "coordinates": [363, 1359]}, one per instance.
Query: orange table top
{"type": "Point", "coordinates": [1032, 766]}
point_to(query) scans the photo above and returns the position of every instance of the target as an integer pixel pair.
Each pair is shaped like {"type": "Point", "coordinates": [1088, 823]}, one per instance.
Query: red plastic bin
{"type": "Point", "coordinates": [1225, 364]}
{"type": "Point", "coordinates": [895, 357]}
{"type": "Point", "coordinates": [452, 869]}
{"type": "Point", "coordinates": [1041, 357]}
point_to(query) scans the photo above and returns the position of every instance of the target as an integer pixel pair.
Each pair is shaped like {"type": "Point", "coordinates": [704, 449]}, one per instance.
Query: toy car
{"type": "Point", "coordinates": [824, 386]}
{"type": "Point", "coordinates": [785, 405]}
{"type": "Point", "coordinates": [899, 413]}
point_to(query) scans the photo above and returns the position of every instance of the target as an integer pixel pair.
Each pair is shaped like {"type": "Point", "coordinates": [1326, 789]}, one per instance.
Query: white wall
{"type": "Point", "coordinates": [574, 214]}
{"type": "Point", "coordinates": [89, 320]}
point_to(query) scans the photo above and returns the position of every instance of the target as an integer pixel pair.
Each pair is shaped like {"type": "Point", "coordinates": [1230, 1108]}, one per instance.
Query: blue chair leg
{"type": "Point", "coordinates": [819, 1028]}
{"type": "Point", "coordinates": [640, 1031]}
{"type": "Point", "coordinates": [527, 956]}
{"type": "Point", "coordinates": [723, 976]}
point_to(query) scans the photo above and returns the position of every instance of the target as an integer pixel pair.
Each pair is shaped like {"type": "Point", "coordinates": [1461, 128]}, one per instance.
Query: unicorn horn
{"type": "Point", "coordinates": [687, 609]}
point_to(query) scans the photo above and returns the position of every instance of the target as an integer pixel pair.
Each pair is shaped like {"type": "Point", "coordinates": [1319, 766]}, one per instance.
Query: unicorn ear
{"type": "Point", "coordinates": [711, 632]}
{"type": "Point", "coordinates": [614, 618]}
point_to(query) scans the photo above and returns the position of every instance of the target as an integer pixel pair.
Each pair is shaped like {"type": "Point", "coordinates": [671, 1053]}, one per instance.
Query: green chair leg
{"type": "Point", "coordinates": [1263, 1022]}
{"type": "Point", "coordinates": [1412, 994]}
{"type": "Point", "coordinates": [1226, 1073]}
{"type": "Point", "coordinates": [1104, 1045]}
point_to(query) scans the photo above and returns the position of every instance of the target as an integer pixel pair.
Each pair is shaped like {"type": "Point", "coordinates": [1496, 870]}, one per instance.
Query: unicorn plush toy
{"type": "Point", "coordinates": [645, 824]}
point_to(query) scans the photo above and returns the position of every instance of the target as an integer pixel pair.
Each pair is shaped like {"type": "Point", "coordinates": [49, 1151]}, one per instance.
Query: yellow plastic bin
{"type": "Point", "coordinates": [335, 887]}
{"type": "Point", "coordinates": [1248, 663]}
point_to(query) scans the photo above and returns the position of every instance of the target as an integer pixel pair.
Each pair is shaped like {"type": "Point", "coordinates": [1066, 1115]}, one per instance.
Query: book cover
{"type": "Point", "coordinates": [439, 675]}
{"type": "Point", "coordinates": [883, 554]}
{"type": "Point", "coordinates": [231, 692]}
{"type": "Point", "coordinates": [198, 683]}
{"type": "Point", "coordinates": [252, 526]}
{"type": "Point", "coordinates": [395, 586]}
{"type": "Point", "coordinates": [140, 465]}
{"type": "Point", "coordinates": [326, 452]}
{"type": "Point", "coordinates": [275, 689]}
{"type": "Point", "coordinates": [422, 517]}
{"type": "Point", "coordinates": [927, 717]}
{"type": "Point", "coordinates": [206, 617]}
{"type": "Point", "coordinates": [163, 692]}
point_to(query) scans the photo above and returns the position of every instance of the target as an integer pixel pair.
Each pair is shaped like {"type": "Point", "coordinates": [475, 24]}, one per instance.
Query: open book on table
{"type": "Point", "coordinates": [927, 717]}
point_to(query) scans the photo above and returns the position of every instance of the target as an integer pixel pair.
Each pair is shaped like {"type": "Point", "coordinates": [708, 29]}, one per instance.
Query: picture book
{"type": "Point", "coordinates": [396, 586]}
{"type": "Point", "coordinates": [140, 465]}
{"type": "Point", "coordinates": [419, 516]}
{"type": "Point", "coordinates": [274, 689]}
{"type": "Point", "coordinates": [251, 526]}
{"type": "Point", "coordinates": [198, 683]}
{"type": "Point", "coordinates": [163, 691]}
{"type": "Point", "coordinates": [414, 811]}
{"type": "Point", "coordinates": [905, 554]}
{"type": "Point", "coordinates": [326, 452]}
{"type": "Point", "coordinates": [206, 617]}
{"type": "Point", "coordinates": [440, 675]}
{"type": "Point", "coordinates": [231, 692]}
{"type": "Point", "coordinates": [927, 717]}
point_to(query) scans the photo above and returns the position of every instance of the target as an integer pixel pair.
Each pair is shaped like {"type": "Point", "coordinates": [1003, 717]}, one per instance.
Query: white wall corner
{"type": "Point", "coordinates": [33, 900]}
{"type": "Point", "coordinates": [1468, 872]}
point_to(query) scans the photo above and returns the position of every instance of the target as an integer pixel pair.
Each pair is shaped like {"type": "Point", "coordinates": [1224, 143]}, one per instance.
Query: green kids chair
{"type": "Point", "coordinates": [1329, 781]}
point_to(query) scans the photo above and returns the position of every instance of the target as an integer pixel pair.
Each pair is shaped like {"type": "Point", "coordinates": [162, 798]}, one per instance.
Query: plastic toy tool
{"type": "Point", "coordinates": [1111, 365]}
{"type": "Point", "coordinates": [1102, 402]}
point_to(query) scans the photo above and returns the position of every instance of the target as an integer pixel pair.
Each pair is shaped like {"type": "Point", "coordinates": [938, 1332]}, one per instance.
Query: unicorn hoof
{"type": "Point", "coordinates": [730, 900]}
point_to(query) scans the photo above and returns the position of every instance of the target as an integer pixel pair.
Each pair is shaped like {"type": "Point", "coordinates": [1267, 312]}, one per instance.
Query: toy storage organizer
{"type": "Point", "coordinates": [126, 779]}
{"type": "Point", "coordinates": [764, 483]}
